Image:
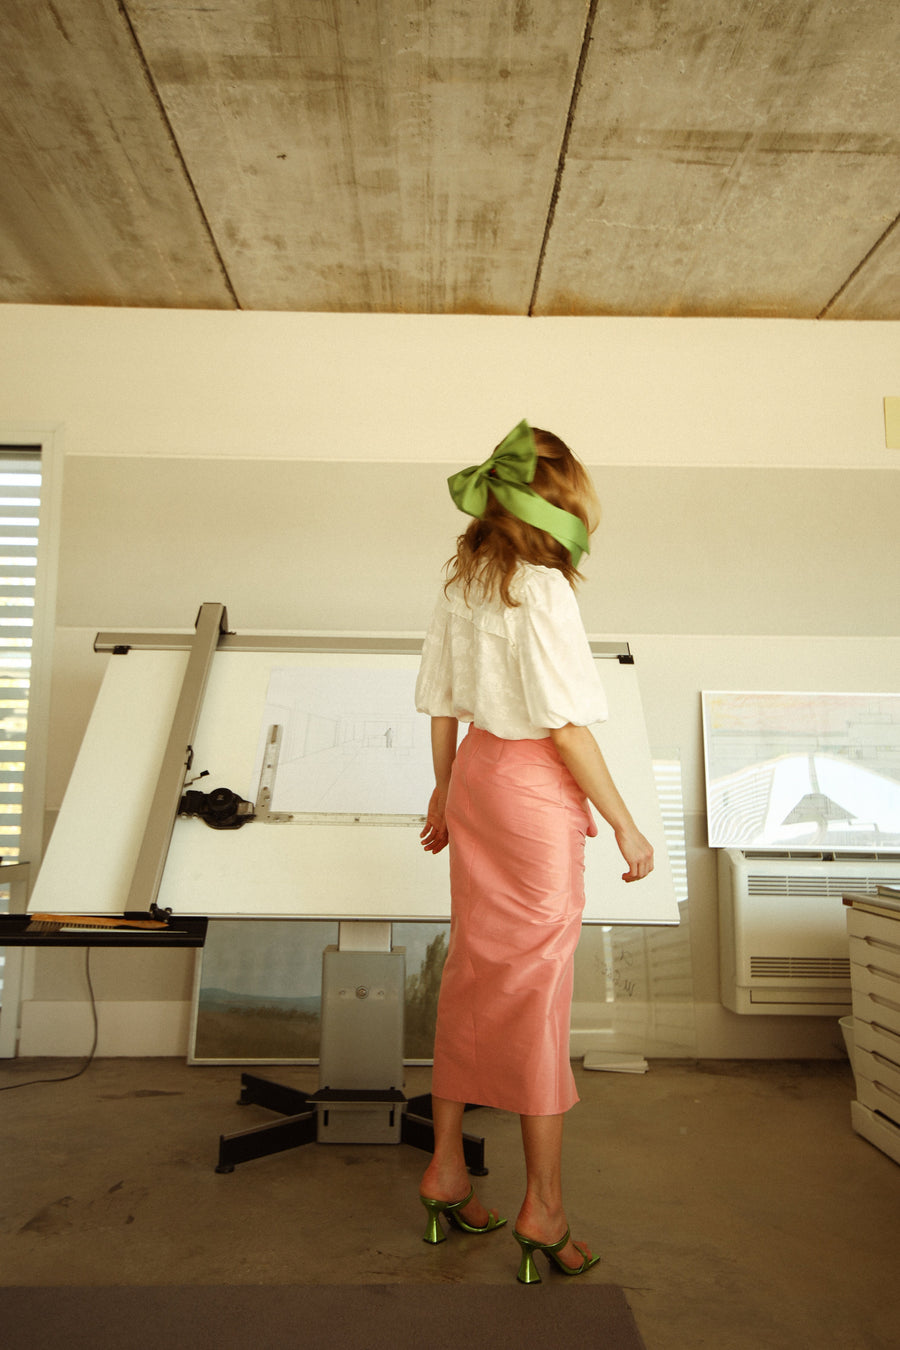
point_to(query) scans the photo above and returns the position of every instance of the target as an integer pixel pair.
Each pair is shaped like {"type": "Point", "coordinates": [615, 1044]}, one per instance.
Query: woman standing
{"type": "Point", "coordinates": [506, 651]}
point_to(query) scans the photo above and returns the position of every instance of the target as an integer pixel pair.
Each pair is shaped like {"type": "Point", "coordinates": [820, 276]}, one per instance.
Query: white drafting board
{"type": "Point", "coordinates": [312, 868]}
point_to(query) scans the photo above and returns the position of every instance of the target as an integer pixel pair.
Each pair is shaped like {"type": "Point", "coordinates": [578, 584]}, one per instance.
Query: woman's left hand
{"type": "Point", "coordinates": [434, 836]}
{"type": "Point", "coordinates": [637, 852]}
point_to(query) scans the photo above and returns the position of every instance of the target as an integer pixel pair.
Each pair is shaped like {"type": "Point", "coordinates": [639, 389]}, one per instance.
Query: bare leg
{"type": "Point", "coordinates": [446, 1176]}
{"type": "Point", "coordinates": [542, 1216]}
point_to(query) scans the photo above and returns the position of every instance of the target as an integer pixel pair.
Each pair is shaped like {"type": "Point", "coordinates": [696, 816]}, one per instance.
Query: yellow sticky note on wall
{"type": "Point", "coordinates": [892, 423]}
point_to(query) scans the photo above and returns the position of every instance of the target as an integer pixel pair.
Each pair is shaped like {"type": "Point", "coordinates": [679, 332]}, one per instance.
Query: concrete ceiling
{"type": "Point", "coordinates": [642, 157]}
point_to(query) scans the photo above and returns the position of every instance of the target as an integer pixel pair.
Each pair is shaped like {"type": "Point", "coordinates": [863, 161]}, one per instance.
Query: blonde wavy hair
{"type": "Point", "coordinates": [492, 547]}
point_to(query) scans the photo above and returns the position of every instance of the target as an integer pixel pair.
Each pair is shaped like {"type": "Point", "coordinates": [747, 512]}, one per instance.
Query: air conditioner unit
{"type": "Point", "coordinates": [783, 945]}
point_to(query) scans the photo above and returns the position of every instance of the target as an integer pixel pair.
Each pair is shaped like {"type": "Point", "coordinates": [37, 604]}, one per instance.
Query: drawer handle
{"type": "Point", "coordinates": [885, 1031]}
{"type": "Point", "coordinates": [888, 1092]}
{"type": "Point", "coordinates": [884, 1002]}
{"type": "Point", "coordinates": [880, 945]}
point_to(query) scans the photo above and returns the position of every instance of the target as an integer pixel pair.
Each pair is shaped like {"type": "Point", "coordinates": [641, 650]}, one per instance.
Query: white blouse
{"type": "Point", "coordinates": [516, 671]}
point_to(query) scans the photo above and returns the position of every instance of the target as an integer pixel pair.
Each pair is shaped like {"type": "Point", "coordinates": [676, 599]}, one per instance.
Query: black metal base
{"type": "Point", "coordinates": [299, 1125]}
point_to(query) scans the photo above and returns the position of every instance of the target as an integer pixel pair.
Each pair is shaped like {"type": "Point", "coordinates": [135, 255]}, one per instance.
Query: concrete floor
{"type": "Point", "coordinates": [731, 1200]}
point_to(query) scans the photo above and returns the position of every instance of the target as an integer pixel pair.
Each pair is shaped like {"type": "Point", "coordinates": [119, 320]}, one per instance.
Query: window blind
{"type": "Point", "coordinates": [20, 499]}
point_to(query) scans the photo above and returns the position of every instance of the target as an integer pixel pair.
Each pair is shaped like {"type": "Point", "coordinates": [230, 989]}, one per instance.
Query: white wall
{"type": "Point", "coordinates": [293, 467]}
{"type": "Point", "coordinates": [420, 389]}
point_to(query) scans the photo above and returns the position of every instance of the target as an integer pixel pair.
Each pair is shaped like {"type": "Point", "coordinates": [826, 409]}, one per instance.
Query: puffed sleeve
{"type": "Point", "coordinates": [434, 684]}
{"type": "Point", "coordinates": [559, 674]}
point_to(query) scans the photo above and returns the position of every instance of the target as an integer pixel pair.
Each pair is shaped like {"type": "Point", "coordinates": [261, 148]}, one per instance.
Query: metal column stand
{"type": "Point", "coordinates": [360, 1064]}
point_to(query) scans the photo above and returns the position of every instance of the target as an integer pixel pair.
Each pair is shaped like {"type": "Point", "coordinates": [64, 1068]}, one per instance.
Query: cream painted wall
{"type": "Point", "coordinates": [292, 466]}
{"type": "Point", "coordinates": [414, 389]}
{"type": "Point", "coordinates": [716, 550]}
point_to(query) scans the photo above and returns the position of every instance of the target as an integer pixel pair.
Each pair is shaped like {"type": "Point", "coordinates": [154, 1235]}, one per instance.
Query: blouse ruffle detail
{"type": "Point", "coordinates": [515, 671]}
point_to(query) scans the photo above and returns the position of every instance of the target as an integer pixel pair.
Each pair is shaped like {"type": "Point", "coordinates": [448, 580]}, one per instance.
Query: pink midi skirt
{"type": "Point", "coordinates": [517, 822]}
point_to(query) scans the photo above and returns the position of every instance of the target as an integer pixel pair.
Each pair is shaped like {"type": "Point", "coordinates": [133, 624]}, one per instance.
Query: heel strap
{"type": "Point", "coordinates": [447, 1206]}
{"type": "Point", "coordinates": [548, 1247]}
{"type": "Point", "coordinates": [558, 1246]}
{"type": "Point", "coordinates": [461, 1204]}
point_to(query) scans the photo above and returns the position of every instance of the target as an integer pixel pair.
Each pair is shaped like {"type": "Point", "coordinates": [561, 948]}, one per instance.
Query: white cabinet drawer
{"type": "Point", "coordinates": [876, 943]}
{"type": "Point", "coordinates": [877, 1039]}
{"type": "Point", "coordinates": [866, 952]}
{"type": "Point", "coordinates": [874, 927]}
{"type": "Point", "coordinates": [873, 1067]}
{"type": "Point", "coordinates": [876, 996]}
{"type": "Point", "coordinates": [877, 1129]}
{"type": "Point", "coordinates": [878, 1096]}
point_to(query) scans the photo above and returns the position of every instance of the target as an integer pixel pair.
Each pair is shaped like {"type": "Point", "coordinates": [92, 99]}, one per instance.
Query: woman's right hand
{"type": "Point", "coordinates": [434, 835]}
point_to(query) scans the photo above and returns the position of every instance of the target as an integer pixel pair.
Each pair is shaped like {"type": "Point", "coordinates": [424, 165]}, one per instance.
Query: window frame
{"type": "Point", "coordinates": [19, 965]}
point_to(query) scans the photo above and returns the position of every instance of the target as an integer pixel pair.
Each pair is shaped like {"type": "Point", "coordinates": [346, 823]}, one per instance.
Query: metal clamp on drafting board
{"type": "Point", "coordinates": [221, 809]}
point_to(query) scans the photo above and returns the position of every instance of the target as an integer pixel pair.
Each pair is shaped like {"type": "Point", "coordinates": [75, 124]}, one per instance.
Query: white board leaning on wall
{"type": "Point", "coordinates": [352, 746]}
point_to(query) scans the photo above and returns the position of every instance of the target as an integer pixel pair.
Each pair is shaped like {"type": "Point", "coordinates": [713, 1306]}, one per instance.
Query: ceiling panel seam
{"type": "Point", "coordinates": [867, 257]}
{"type": "Point", "coordinates": [170, 131]}
{"type": "Point", "coordinates": [563, 150]}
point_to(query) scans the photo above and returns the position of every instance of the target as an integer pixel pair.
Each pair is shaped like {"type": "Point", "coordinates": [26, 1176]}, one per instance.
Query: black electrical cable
{"type": "Point", "coordinates": [66, 1078]}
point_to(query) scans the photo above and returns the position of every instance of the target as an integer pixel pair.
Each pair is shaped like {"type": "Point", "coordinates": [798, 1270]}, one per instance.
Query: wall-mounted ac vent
{"type": "Point", "coordinates": [796, 882]}
{"type": "Point", "coordinates": [783, 942]}
{"type": "Point", "coordinates": [863, 857]}
{"type": "Point", "coordinates": [800, 968]}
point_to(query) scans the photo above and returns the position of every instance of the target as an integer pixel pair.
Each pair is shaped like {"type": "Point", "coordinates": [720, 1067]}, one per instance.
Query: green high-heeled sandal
{"type": "Point", "coordinates": [528, 1272]}
{"type": "Point", "coordinates": [433, 1230]}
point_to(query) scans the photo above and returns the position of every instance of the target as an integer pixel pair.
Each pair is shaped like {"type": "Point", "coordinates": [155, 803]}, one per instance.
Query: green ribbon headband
{"type": "Point", "coordinates": [508, 475]}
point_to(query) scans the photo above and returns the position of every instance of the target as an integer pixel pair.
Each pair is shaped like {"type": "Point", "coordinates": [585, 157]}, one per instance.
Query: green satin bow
{"type": "Point", "coordinates": [508, 474]}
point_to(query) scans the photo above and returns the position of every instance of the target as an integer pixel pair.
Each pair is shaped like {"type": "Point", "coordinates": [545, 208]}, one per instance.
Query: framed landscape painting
{"type": "Point", "coordinates": [258, 990]}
